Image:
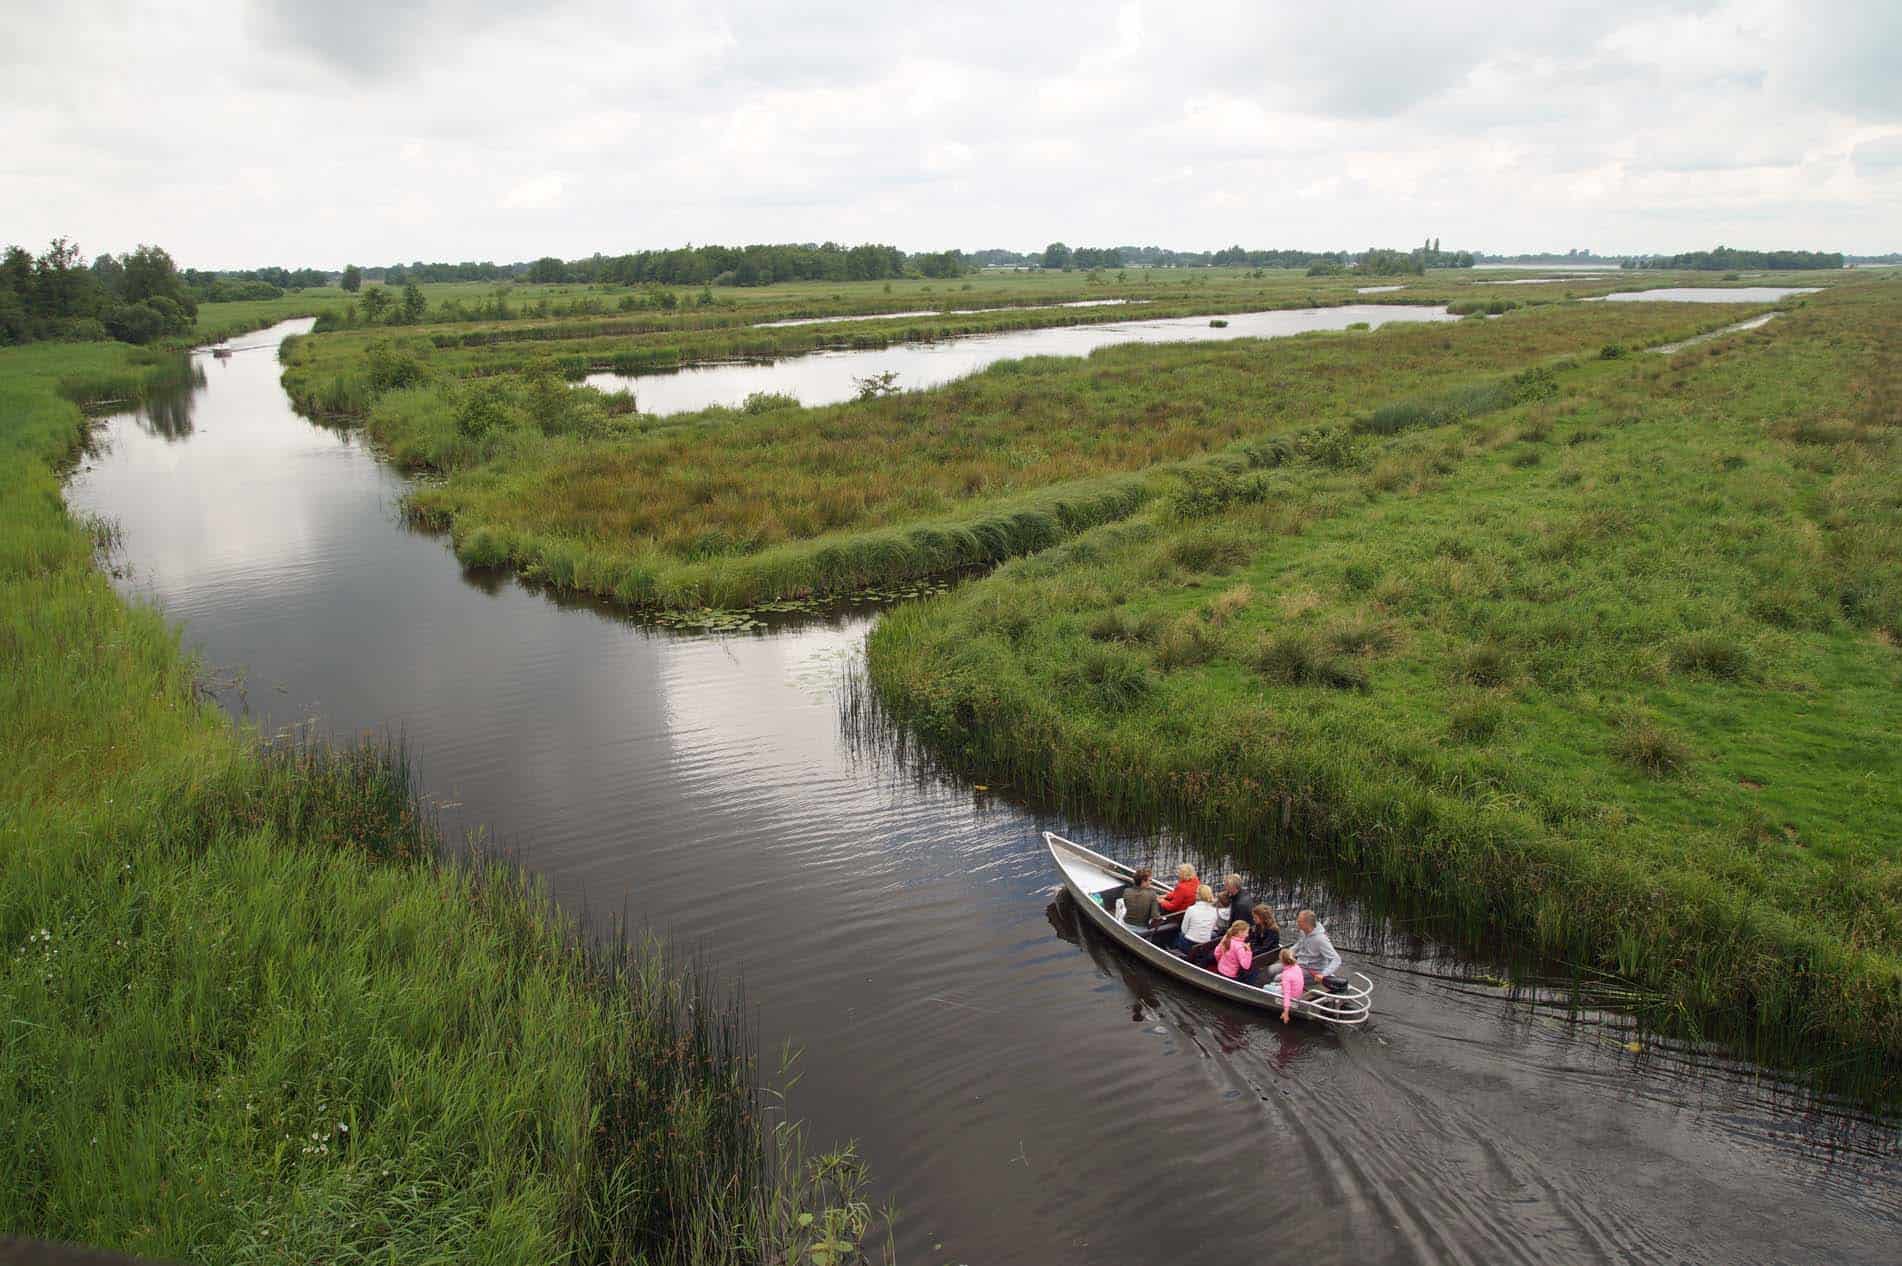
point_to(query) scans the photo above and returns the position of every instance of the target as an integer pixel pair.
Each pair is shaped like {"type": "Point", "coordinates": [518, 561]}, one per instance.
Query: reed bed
{"type": "Point", "coordinates": [1630, 704]}
{"type": "Point", "coordinates": [737, 507]}
{"type": "Point", "coordinates": [255, 1012]}
{"type": "Point", "coordinates": [656, 341]}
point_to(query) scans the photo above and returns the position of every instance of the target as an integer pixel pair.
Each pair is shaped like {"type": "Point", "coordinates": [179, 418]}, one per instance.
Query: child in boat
{"type": "Point", "coordinates": [1294, 982]}
{"type": "Point", "coordinates": [1233, 956]}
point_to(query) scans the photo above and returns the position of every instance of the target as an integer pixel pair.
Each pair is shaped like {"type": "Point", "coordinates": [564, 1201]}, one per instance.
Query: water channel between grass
{"type": "Point", "coordinates": [829, 377]}
{"type": "Point", "coordinates": [1017, 1086]}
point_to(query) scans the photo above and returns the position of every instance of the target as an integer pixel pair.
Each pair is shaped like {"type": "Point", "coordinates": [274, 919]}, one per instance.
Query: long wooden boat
{"type": "Point", "coordinates": [1088, 876]}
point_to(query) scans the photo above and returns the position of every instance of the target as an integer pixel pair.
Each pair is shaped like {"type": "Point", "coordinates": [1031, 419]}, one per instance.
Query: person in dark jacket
{"type": "Point", "coordinates": [1232, 902]}
{"type": "Point", "coordinates": [1264, 943]}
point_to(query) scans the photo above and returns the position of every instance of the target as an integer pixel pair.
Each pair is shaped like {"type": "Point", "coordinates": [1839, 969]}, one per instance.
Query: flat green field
{"type": "Point", "coordinates": [734, 508]}
{"type": "Point", "coordinates": [251, 1015]}
{"type": "Point", "coordinates": [1574, 644]}
{"type": "Point", "coordinates": [1612, 672]}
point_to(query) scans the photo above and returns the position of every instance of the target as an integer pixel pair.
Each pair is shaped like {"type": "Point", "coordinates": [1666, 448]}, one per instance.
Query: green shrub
{"type": "Point", "coordinates": [483, 410]}
{"type": "Point", "coordinates": [1537, 383]}
{"type": "Point", "coordinates": [389, 367]}
{"type": "Point", "coordinates": [768, 401]}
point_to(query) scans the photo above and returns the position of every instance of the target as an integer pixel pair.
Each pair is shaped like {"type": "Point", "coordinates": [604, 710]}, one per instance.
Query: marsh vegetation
{"type": "Point", "coordinates": [256, 1010]}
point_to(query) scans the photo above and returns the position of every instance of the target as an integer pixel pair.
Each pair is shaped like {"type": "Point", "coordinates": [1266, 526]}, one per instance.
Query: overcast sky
{"type": "Point", "coordinates": [320, 132]}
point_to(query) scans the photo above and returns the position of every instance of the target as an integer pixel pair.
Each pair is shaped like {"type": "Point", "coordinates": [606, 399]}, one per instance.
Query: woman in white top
{"type": "Point", "coordinates": [1198, 923]}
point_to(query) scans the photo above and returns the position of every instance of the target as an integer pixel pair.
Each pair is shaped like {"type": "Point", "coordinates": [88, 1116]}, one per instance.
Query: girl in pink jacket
{"type": "Point", "coordinates": [1234, 957]}
{"type": "Point", "coordinates": [1294, 982]}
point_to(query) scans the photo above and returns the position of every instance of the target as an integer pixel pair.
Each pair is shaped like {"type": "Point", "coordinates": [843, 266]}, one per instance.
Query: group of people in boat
{"type": "Point", "coordinates": [1229, 933]}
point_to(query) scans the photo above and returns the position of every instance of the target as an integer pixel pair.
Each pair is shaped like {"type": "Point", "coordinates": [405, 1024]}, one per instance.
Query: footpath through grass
{"type": "Point", "coordinates": [1611, 673]}
{"type": "Point", "coordinates": [732, 508]}
{"type": "Point", "coordinates": [251, 1015]}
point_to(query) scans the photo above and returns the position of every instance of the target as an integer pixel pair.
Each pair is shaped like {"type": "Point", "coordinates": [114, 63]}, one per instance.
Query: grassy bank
{"type": "Point", "coordinates": [738, 507]}
{"type": "Point", "coordinates": [1610, 672]}
{"type": "Point", "coordinates": [250, 1013]}
{"type": "Point", "coordinates": [338, 373]}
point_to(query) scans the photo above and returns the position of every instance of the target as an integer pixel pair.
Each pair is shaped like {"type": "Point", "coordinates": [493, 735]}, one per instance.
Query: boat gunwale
{"type": "Point", "coordinates": [1350, 1007]}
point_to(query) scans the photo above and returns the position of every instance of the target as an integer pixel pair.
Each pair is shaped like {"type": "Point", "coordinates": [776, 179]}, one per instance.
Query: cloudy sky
{"type": "Point", "coordinates": [320, 132]}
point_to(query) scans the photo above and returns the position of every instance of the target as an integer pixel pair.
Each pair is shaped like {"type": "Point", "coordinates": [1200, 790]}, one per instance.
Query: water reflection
{"type": "Point", "coordinates": [1019, 1084]}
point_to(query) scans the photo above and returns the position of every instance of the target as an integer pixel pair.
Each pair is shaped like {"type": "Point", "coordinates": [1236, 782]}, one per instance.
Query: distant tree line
{"type": "Point", "coordinates": [1058, 255]}
{"type": "Point", "coordinates": [1725, 258]}
{"type": "Point", "coordinates": [135, 297]}
{"type": "Point", "coordinates": [1576, 255]}
{"type": "Point", "coordinates": [756, 265]}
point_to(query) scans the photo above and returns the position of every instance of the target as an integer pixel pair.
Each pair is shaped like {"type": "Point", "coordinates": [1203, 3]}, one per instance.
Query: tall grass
{"type": "Point", "coordinates": [654, 341]}
{"type": "Point", "coordinates": [254, 1012]}
{"type": "Point", "coordinates": [1630, 706]}
{"type": "Point", "coordinates": [739, 506]}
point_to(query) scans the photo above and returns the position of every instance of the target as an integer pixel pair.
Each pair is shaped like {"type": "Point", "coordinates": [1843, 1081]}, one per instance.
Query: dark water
{"type": "Point", "coordinates": [829, 377]}
{"type": "Point", "coordinates": [1024, 1093]}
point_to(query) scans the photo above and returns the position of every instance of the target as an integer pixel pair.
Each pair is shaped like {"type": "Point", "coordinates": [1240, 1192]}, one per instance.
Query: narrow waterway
{"type": "Point", "coordinates": [1708, 294]}
{"type": "Point", "coordinates": [829, 377]}
{"type": "Point", "coordinates": [1023, 1092]}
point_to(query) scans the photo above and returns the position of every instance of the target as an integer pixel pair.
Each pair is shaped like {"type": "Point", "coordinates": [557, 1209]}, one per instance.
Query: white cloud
{"type": "Point", "coordinates": [420, 129]}
{"type": "Point", "coordinates": [538, 194]}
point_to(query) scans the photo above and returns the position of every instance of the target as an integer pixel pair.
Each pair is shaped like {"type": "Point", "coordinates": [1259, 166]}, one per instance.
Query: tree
{"type": "Point", "coordinates": [110, 274]}
{"type": "Point", "coordinates": [150, 274]}
{"type": "Point", "coordinates": [548, 270]}
{"type": "Point", "coordinates": [1056, 255]}
{"type": "Point", "coordinates": [376, 301]}
{"type": "Point", "coordinates": [64, 286]}
{"type": "Point", "coordinates": [352, 279]}
{"type": "Point", "coordinates": [414, 305]}
{"type": "Point", "coordinates": [136, 322]}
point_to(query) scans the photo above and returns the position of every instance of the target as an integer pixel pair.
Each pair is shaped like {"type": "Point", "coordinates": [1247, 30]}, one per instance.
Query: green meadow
{"type": "Point", "coordinates": [1582, 647]}
{"type": "Point", "coordinates": [253, 1009]}
{"type": "Point", "coordinates": [1606, 667]}
{"type": "Point", "coordinates": [735, 507]}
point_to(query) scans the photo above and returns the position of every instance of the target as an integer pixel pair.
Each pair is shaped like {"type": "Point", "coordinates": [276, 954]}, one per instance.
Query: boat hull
{"type": "Point", "coordinates": [1086, 873]}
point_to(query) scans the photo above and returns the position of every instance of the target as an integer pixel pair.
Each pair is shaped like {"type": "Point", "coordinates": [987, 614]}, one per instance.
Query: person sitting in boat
{"type": "Point", "coordinates": [1139, 901]}
{"type": "Point", "coordinates": [1231, 902]}
{"type": "Point", "coordinates": [1182, 896]}
{"type": "Point", "coordinates": [1264, 944]}
{"type": "Point", "coordinates": [1294, 982]}
{"type": "Point", "coordinates": [1196, 938]}
{"type": "Point", "coordinates": [1314, 951]}
{"type": "Point", "coordinates": [1233, 957]}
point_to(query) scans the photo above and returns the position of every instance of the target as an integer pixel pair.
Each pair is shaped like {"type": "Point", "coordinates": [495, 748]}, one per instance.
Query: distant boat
{"type": "Point", "coordinates": [1087, 876]}
{"type": "Point", "coordinates": [221, 353]}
